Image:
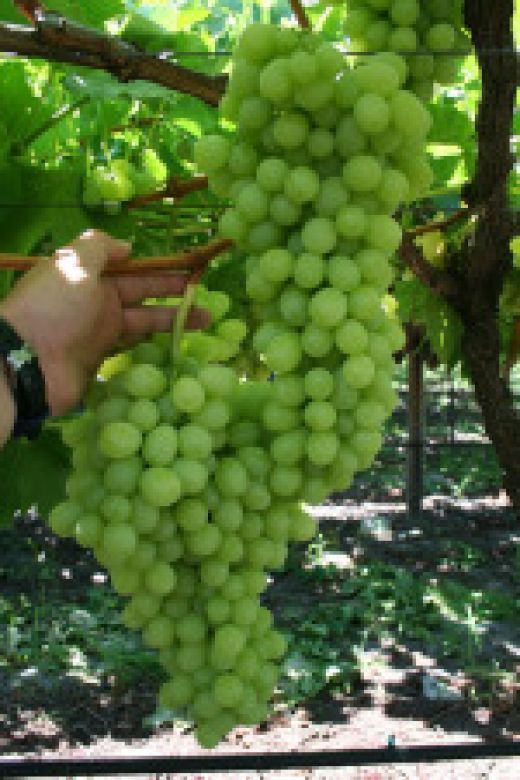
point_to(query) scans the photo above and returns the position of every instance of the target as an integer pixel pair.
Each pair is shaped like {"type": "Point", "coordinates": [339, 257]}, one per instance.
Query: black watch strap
{"type": "Point", "coordinates": [27, 382]}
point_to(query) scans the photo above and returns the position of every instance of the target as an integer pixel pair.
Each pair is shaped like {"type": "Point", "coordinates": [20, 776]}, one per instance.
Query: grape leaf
{"type": "Point", "coordinates": [33, 473]}
{"type": "Point", "coordinates": [93, 13]}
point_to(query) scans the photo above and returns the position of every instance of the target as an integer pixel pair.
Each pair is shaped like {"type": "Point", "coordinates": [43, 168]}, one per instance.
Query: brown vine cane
{"type": "Point", "coordinates": [191, 261]}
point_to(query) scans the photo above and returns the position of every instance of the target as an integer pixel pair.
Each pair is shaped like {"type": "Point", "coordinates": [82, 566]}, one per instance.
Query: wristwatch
{"type": "Point", "coordinates": [26, 381]}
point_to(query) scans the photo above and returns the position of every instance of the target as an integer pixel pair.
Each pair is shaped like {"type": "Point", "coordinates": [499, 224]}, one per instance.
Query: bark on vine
{"type": "Point", "coordinates": [56, 39]}
{"type": "Point", "coordinates": [486, 256]}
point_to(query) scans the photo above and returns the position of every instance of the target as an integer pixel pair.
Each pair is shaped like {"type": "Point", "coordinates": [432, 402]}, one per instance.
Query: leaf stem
{"type": "Point", "coordinates": [300, 14]}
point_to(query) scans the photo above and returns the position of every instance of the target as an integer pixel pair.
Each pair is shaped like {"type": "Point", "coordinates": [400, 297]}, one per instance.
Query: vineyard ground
{"type": "Point", "coordinates": [73, 683]}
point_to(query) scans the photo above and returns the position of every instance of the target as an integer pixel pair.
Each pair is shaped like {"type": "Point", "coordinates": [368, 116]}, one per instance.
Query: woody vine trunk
{"type": "Point", "coordinates": [486, 258]}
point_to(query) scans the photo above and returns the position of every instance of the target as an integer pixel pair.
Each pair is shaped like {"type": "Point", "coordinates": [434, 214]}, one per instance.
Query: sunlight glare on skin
{"type": "Point", "coordinates": [68, 263]}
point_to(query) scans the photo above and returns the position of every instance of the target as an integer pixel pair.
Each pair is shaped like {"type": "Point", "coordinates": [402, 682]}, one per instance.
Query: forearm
{"type": "Point", "coordinates": [7, 409]}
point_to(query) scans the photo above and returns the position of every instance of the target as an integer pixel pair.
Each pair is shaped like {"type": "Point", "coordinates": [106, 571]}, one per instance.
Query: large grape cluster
{"type": "Point", "coordinates": [174, 491]}
{"type": "Point", "coordinates": [322, 158]}
{"type": "Point", "coordinates": [428, 29]}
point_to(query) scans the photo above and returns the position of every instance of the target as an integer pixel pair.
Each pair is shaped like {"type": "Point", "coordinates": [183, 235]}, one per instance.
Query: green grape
{"type": "Point", "coordinates": [409, 115]}
{"type": "Point", "coordinates": [403, 39]}
{"type": "Point", "coordinates": [279, 418]}
{"type": "Point", "coordinates": [188, 395]}
{"type": "Point", "coordinates": [316, 341]}
{"type": "Point", "coordinates": [243, 160]}
{"type": "Point", "coordinates": [158, 632]}
{"type": "Point", "coordinates": [293, 306]}
{"type": "Point", "coordinates": [384, 233]}
{"type": "Point", "coordinates": [288, 390]}
{"type": "Point", "coordinates": [441, 37]}
{"type": "Point", "coordinates": [231, 477]}
{"type": "Point", "coordinates": [372, 113]}
{"type": "Point", "coordinates": [233, 225]}
{"type": "Point", "coordinates": [319, 236]}
{"type": "Point", "coordinates": [283, 354]}
{"type": "Point", "coordinates": [376, 77]}
{"type": "Point", "coordinates": [283, 211]}
{"type": "Point", "coordinates": [258, 43]}
{"type": "Point", "coordinates": [252, 203]}
{"type": "Point", "coordinates": [302, 185]}
{"type": "Point", "coordinates": [254, 114]}
{"type": "Point", "coordinates": [160, 445]}
{"type": "Point", "coordinates": [320, 142]}
{"type": "Point", "coordinates": [119, 440]}
{"type": "Point", "coordinates": [328, 307]}
{"type": "Point", "coordinates": [177, 692]}
{"type": "Point", "coordinates": [290, 130]}
{"type": "Point", "coordinates": [121, 476]}
{"type": "Point", "coordinates": [275, 81]}
{"type": "Point", "coordinates": [218, 381]}
{"type": "Point", "coordinates": [362, 173]}
{"type": "Point", "coordinates": [211, 152]}
{"type": "Point", "coordinates": [264, 236]}
{"type": "Point", "coordinates": [350, 140]}
{"type": "Point", "coordinates": [345, 91]}
{"type": "Point", "coordinates": [160, 486]}
{"type": "Point", "coordinates": [359, 371]}
{"type": "Point", "coordinates": [343, 273]}
{"type": "Point", "coordinates": [332, 196]}
{"type": "Point", "coordinates": [352, 338]}
{"type": "Point", "coordinates": [322, 447]}
{"type": "Point", "coordinates": [144, 381]}
{"type": "Point", "coordinates": [218, 610]}
{"type": "Point", "coordinates": [318, 384]}
{"type": "Point", "coordinates": [143, 414]}
{"type": "Point", "coordinates": [308, 270]}
{"type": "Point", "coordinates": [351, 221]}
{"type": "Point", "coordinates": [276, 265]}
{"type": "Point", "coordinates": [288, 448]}
{"type": "Point", "coordinates": [272, 173]}
{"type": "Point", "coordinates": [204, 541]}
{"type": "Point", "coordinates": [195, 442]}
{"type": "Point", "coordinates": [191, 514]}
{"type": "Point", "coordinates": [320, 415]}
{"type": "Point", "coordinates": [144, 517]}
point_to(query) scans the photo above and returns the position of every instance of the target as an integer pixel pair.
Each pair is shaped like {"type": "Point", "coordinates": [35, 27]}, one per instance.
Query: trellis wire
{"type": "Point", "coordinates": [254, 761]}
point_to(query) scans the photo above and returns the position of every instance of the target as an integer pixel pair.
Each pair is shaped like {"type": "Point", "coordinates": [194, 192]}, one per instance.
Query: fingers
{"type": "Point", "coordinates": [134, 289]}
{"type": "Point", "coordinates": [141, 321]}
{"type": "Point", "coordinates": [93, 250]}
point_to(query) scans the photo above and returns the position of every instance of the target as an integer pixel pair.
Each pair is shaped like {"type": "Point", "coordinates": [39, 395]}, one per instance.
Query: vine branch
{"type": "Point", "coordinates": [300, 14]}
{"type": "Point", "coordinates": [192, 260]}
{"type": "Point", "coordinates": [56, 39]}
{"type": "Point", "coordinates": [442, 225]}
{"type": "Point", "coordinates": [175, 188]}
{"type": "Point", "coordinates": [31, 9]}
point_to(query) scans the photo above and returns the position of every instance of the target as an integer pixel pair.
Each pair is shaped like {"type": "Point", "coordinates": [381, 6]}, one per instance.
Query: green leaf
{"type": "Point", "coordinates": [93, 13]}
{"type": "Point", "coordinates": [33, 473]}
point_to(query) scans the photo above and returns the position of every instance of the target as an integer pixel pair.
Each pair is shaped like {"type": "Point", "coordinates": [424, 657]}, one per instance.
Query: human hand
{"type": "Point", "coordinates": [73, 317]}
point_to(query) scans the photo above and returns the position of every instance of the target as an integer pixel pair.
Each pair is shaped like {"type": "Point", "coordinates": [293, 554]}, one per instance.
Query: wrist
{"type": "Point", "coordinates": [7, 405]}
{"type": "Point", "coordinates": [11, 310]}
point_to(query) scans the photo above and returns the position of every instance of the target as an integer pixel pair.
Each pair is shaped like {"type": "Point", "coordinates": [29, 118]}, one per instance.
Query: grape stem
{"type": "Point", "coordinates": [181, 318]}
{"type": "Point", "coordinates": [442, 225]}
{"type": "Point", "coordinates": [300, 14]}
{"type": "Point", "coordinates": [175, 188]}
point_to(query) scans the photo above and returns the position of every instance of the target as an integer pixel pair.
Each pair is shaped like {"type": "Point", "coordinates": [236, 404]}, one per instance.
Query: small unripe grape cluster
{"type": "Point", "coordinates": [428, 29]}
{"type": "Point", "coordinates": [175, 491]}
{"type": "Point", "coordinates": [120, 180]}
{"type": "Point", "coordinates": [323, 156]}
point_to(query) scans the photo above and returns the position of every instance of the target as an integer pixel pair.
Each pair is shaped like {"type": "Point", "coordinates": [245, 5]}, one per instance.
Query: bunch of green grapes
{"type": "Point", "coordinates": [175, 491]}
{"type": "Point", "coordinates": [121, 180]}
{"type": "Point", "coordinates": [322, 157]}
{"type": "Point", "coordinates": [430, 26]}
